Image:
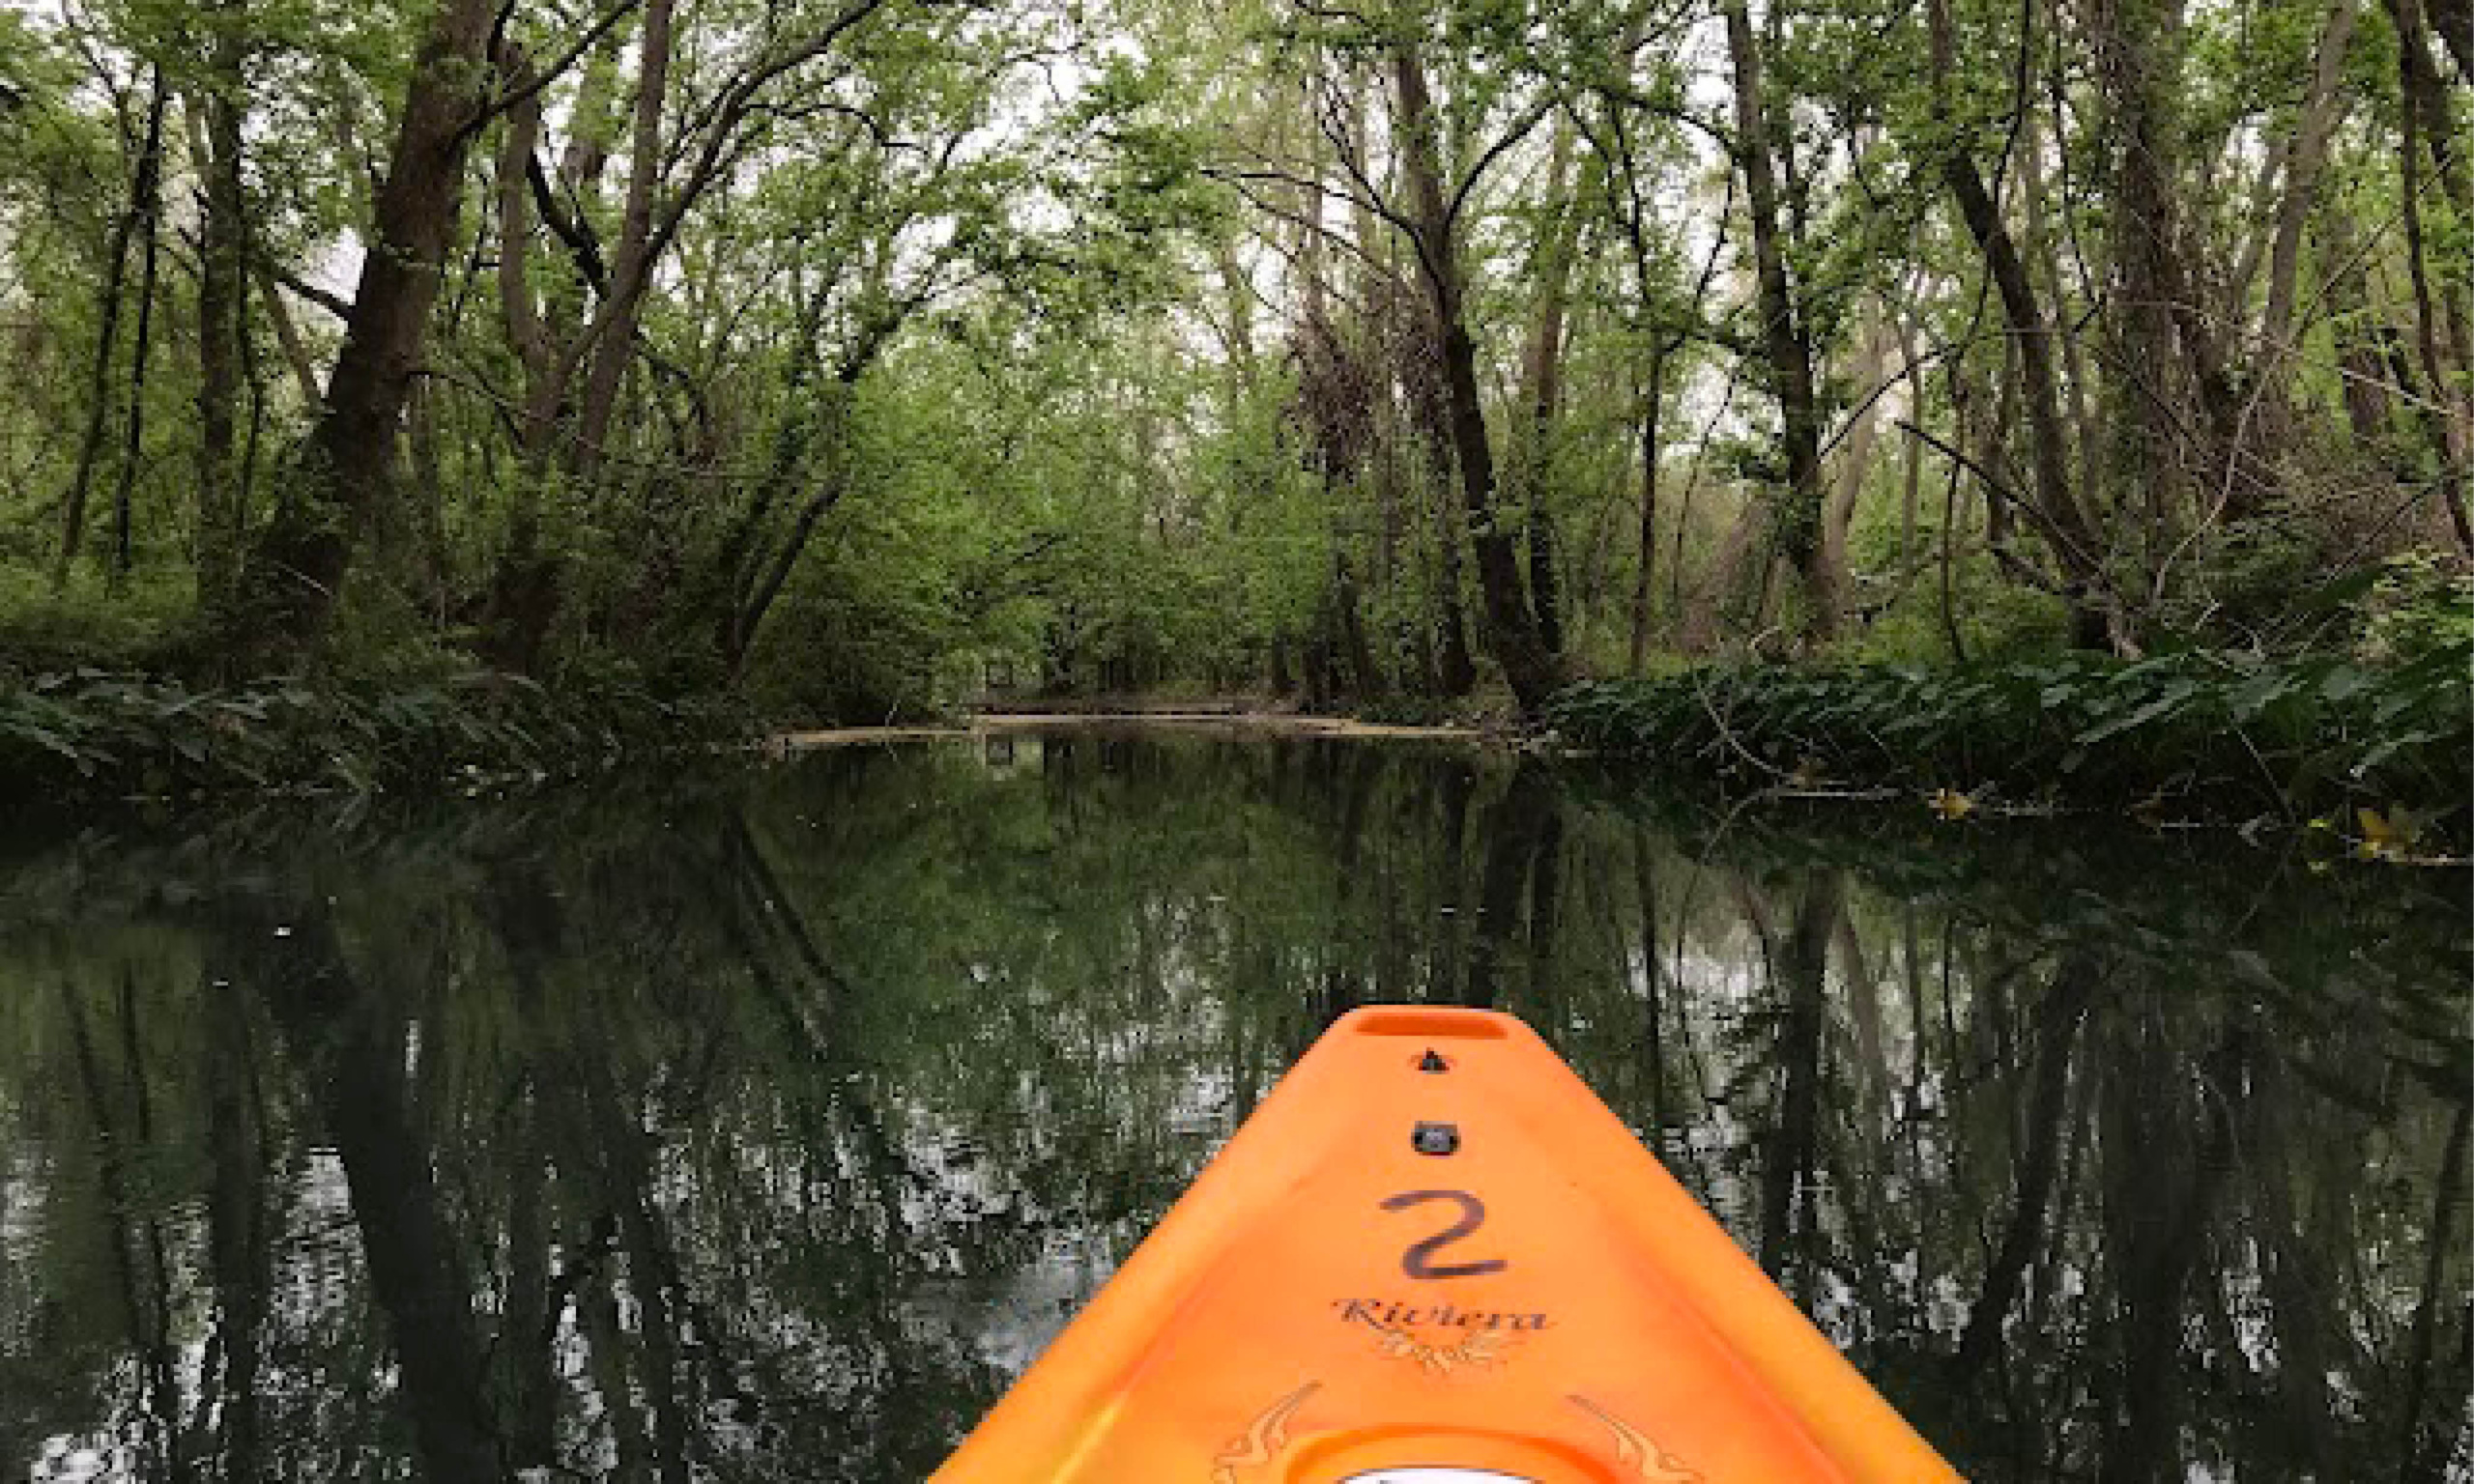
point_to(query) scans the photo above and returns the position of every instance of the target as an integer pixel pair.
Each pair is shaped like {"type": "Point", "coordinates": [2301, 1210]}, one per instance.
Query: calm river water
{"type": "Point", "coordinates": [762, 1128]}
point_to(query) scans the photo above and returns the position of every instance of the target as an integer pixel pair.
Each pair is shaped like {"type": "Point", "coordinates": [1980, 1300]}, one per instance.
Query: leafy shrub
{"type": "Point", "coordinates": [100, 733]}
{"type": "Point", "coordinates": [2228, 731]}
{"type": "Point", "coordinates": [43, 628]}
{"type": "Point", "coordinates": [1997, 617]}
{"type": "Point", "coordinates": [1402, 709]}
{"type": "Point", "coordinates": [2417, 606]}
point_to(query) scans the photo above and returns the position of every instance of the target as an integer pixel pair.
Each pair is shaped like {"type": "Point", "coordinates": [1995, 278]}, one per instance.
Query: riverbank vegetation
{"type": "Point", "coordinates": [2173, 736]}
{"type": "Point", "coordinates": [94, 734]}
{"type": "Point", "coordinates": [852, 360]}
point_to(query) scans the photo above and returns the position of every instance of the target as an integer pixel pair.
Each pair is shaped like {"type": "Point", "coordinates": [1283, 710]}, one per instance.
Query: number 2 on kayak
{"type": "Point", "coordinates": [1418, 1259]}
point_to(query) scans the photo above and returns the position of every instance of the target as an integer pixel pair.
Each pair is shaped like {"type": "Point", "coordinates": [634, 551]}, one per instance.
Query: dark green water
{"type": "Point", "coordinates": [764, 1128]}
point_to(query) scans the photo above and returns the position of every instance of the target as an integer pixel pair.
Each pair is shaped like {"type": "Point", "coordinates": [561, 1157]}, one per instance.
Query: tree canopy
{"type": "Point", "coordinates": [855, 352]}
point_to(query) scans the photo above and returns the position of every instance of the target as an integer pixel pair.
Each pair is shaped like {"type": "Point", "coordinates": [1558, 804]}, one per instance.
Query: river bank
{"type": "Point", "coordinates": [1229, 722]}
{"type": "Point", "coordinates": [92, 737]}
{"type": "Point", "coordinates": [2378, 752]}
{"type": "Point", "coordinates": [2229, 738]}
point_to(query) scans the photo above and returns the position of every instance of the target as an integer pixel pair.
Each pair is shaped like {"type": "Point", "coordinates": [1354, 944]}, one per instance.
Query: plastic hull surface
{"type": "Point", "coordinates": [1432, 1256]}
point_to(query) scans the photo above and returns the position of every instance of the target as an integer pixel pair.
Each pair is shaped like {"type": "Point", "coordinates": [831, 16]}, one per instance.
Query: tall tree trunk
{"type": "Point", "coordinates": [1667, 341]}
{"type": "Point", "coordinates": [1786, 343]}
{"type": "Point", "coordinates": [1532, 670]}
{"type": "Point", "coordinates": [1390, 434]}
{"type": "Point", "coordinates": [2143, 457]}
{"type": "Point", "coordinates": [1455, 659]}
{"type": "Point", "coordinates": [521, 318]}
{"type": "Point", "coordinates": [425, 502]}
{"type": "Point", "coordinates": [631, 271]}
{"type": "Point", "coordinates": [287, 337]}
{"type": "Point", "coordinates": [149, 205]}
{"type": "Point", "coordinates": [1455, 667]}
{"type": "Point", "coordinates": [2434, 119]}
{"type": "Point", "coordinates": [2305, 155]}
{"type": "Point", "coordinates": [2097, 621]}
{"type": "Point", "coordinates": [2448, 419]}
{"type": "Point", "coordinates": [2042, 251]}
{"type": "Point", "coordinates": [98, 399]}
{"type": "Point", "coordinates": [2267, 429]}
{"type": "Point", "coordinates": [1366, 676]}
{"type": "Point", "coordinates": [222, 314]}
{"type": "Point", "coordinates": [296, 570]}
{"type": "Point", "coordinates": [1912, 482]}
{"type": "Point", "coordinates": [1332, 385]}
{"type": "Point", "coordinates": [1542, 384]}
{"type": "Point", "coordinates": [1854, 457]}
{"type": "Point", "coordinates": [523, 596]}
{"type": "Point", "coordinates": [2197, 433]}
{"type": "Point", "coordinates": [1653, 404]}
{"type": "Point", "coordinates": [2174, 416]}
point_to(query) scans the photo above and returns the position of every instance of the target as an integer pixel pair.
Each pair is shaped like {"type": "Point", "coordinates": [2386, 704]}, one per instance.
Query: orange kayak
{"type": "Point", "coordinates": [1432, 1256]}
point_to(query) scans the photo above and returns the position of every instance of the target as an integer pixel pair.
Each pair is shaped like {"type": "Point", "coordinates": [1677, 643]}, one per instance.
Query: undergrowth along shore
{"type": "Point", "coordinates": [2225, 736]}
{"type": "Point", "coordinates": [90, 734]}
{"type": "Point", "coordinates": [2194, 731]}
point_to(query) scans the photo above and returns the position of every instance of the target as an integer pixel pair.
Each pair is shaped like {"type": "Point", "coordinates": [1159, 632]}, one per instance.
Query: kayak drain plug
{"type": "Point", "coordinates": [1433, 1061]}
{"type": "Point", "coordinates": [1436, 1138]}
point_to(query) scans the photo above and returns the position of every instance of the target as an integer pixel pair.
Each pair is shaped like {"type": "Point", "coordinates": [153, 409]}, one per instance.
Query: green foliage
{"type": "Point", "coordinates": [1017, 490]}
{"type": "Point", "coordinates": [47, 628]}
{"type": "Point", "coordinates": [98, 734]}
{"type": "Point", "coordinates": [1005, 330]}
{"type": "Point", "coordinates": [1996, 619]}
{"type": "Point", "coordinates": [2215, 730]}
{"type": "Point", "coordinates": [864, 636]}
{"type": "Point", "coordinates": [2417, 607]}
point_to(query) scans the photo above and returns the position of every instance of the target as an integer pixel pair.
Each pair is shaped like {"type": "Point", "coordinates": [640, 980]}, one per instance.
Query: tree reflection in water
{"type": "Point", "coordinates": [764, 1129]}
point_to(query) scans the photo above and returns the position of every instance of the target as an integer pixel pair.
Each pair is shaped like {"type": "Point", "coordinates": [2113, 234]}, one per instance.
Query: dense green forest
{"type": "Point", "coordinates": [846, 353]}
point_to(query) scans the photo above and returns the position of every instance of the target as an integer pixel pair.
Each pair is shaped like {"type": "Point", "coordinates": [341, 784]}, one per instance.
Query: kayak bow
{"type": "Point", "coordinates": [1432, 1256]}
